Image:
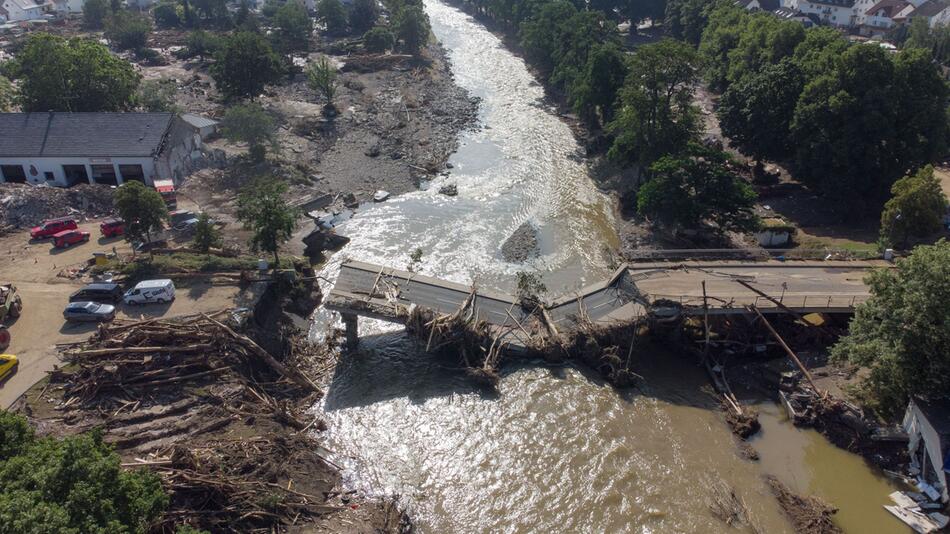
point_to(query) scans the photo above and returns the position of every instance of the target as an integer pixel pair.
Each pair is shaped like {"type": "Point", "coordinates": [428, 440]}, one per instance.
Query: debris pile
{"type": "Point", "coordinates": [809, 515]}
{"type": "Point", "coordinates": [23, 205]}
{"type": "Point", "coordinates": [223, 421]}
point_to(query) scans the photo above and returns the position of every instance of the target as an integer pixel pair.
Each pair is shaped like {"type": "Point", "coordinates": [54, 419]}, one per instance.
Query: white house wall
{"type": "Point", "coordinates": [920, 429]}
{"type": "Point", "coordinates": [55, 166]}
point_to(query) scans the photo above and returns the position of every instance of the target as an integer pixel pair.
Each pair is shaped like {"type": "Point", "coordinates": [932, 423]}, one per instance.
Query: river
{"type": "Point", "coordinates": [554, 449]}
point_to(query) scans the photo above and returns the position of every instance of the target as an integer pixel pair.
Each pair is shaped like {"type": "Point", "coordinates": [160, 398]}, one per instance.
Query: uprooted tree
{"type": "Point", "coordinates": [901, 333]}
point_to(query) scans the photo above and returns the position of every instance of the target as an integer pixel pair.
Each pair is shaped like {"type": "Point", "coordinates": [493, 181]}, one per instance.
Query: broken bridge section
{"type": "Point", "coordinates": [634, 291]}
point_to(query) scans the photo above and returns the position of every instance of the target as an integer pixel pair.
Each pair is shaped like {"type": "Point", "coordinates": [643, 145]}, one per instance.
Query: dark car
{"type": "Point", "coordinates": [99, 292]}
{"type": "Point", "coordinates": [70, 237]}
{"type": "Point", "coordinates": [51, 227]}
{"type": "Point", "coordinates": [112, 227]}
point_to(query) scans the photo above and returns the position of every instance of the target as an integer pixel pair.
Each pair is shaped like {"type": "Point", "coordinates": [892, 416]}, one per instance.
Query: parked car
{"type": "Point", "coordinates": [159, 241]}
{"type": "Point", "coordinates": [89, 311]}
{"type": "Point", "coordinates": [70, 237]}
{"type": "Point", "coordinates": [8, 365]}
{"type": "Point", "coordinates": [187, 227]}
{"type": "Point", "coordinates": [112, 227]}
{"type": "Point", "coordinates": [179, 216]}
{"type": "Point", "coordinates": [51, 227]}
{"type": "Point", "coordinates": [149, 291]}
{"type": "Point", "coordinates": [98, 292]}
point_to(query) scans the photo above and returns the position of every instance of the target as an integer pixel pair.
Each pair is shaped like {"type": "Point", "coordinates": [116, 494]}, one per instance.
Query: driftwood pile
{"type": "Point", "coordinates": [223, 421]}
{"type": "Point", "coordinates": [463, 333]}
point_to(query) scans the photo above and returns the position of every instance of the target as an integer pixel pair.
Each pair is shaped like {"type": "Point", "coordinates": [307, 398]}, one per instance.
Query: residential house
{"type": "Point", "coordinates": [64, 149]}
{"type": "Point", "coordinates": [937, 13]}
{"type": "Point", "coordinates": [927, 423]}
{"type": "Point", "coordinates": [68, 6]}
{"type": "Point", "coordinates": [18, 10]}
{"type": "Point", "coordinates": [879, 18]}
{"type": "Point", "coordinates": [831, 12]}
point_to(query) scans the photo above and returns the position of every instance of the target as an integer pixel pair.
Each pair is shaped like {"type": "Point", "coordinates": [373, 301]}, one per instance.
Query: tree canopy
{"type": "Point", "coordinates": [594, 92]}
{"type": "Point", "coordinates": [142, 209]}
{"type": "Point", "coordinates": [207, 236]}
{"type": "Point", "coordinates": [333, 15]}
{"type": "Point", "coordinates": [379, 40]}
{"type": "Point", "coordinates": [71, 485]}
{"type": "Point", "coordinates": [249, 123]}
{"type": "Point", "coordinates": [244, 64]}
{"type": "Point", "coordinates": [128, 31]}
{"type": "Point", "coordinates": [56, 74]}
{"type": "Point", "coordinates": [293, 26]}
{"type": "Point", "coordinates": [412, 28]}
{"type": "Point", "coordinates": [916, 208]}
{"type": "Point", "coordinates": [158, 95]}
{"type": "Point", "coordinates": [656, 116]}
{"type": "Point", "coordinates": [7, 95]}
{"type": "Point", "coordinates": [94, 13]}
{"type": "Point", "coordinates": [363, 15]}
{"type": "Point", "coordinates": [263, 210]}
{"type": "Point", "coordinates": [696, 188]}
{"type": "Point", "coordinates": [902, 333]}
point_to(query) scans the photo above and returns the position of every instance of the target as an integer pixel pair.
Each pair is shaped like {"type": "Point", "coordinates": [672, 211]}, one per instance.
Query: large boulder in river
{"type": "Point", "coordinates": [522, 245]}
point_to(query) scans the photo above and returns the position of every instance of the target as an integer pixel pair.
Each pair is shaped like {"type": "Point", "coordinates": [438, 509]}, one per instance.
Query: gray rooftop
{"type": "Point", "coordinates": [61, 134]}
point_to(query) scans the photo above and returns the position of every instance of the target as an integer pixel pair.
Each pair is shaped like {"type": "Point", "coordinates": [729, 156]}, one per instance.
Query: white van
{"type": "Point", "coordinates": [149, 291]}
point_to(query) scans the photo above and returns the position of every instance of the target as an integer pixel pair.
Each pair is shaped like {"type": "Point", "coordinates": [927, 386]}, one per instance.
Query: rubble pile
{"type": "Point", "coordinates": [23, 205]}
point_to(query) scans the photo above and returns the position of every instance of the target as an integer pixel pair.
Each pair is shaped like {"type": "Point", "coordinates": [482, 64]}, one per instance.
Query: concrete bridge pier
{"type": "Point", "coordinates": [351, 322]}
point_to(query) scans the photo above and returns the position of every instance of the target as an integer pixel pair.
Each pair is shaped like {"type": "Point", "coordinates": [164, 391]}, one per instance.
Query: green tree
{"type": "Point", "coordinates": [94, 13]}
{"type": "Point", "coordinates": [321, 76]}
{"type": "Point", "coordinates": [249, 123]}
{"type": "Point", "coordinates": [378, 40]}
{"type": "Point", "coordinates": [333, 15]}
{"type": "Point", "coordinates": [724, 27]}
{"type": "Point", "coordinates": [363, 15]}
{"type": "Point", "coordinates": [686, 19]}
{"type": "Point", "coordinates": [756, 112]}
{"type": "Point", "coordinates": [71, 485]}
{"type": "Point", "coordinates": [412, 29]}
{"type": "Point", "coordinates": [293, 26]}
{"type": "Point", "coordinates": [656, 115]}
{"type": "Point", "coordinates": [201, 43]}
{"type": "Point", "coordinates": [916, 208]}
{"type": "Point", "coordinates": [856, 131]}
{"type": "Point", "coordinates": [244, 64]}
{"type": "Point", "coordinates": [166, 15]}
{"type": "Point", "coordinates": [74, 75]}
{"type": "Point", "coordinates": [267, 215]}
{"type": "Point", "coordinates": [212, 11]}
{"type": "Point", "coordinates": [158, 95]}
{"type": "Point", "coordinates": [142, 209]}
{"type": "Point", "coordinates": [901, 332]}
{"type": "Point", "coordinates": [698, 187]}
{"type": "Point", "coordinates": [637, 11]}
{"type": "Point", "coordinates": [819, 53]}
{"type": "Point", "coordinates": [541, 35]}
{"type": "Point", "coordinates": [207, 236]}
{"type": "Point", "coordinates": [7, 95]}
{"type": "Point", "coordinates": [764, 40]}
{"type": "Point", "coordinates": [595, 92]}
{"type": "Point", "coordinates": [128, 31]}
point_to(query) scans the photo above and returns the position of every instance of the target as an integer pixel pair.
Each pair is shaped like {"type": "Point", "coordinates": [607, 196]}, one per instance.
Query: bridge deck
{"type": "Point", "coordinates": [828, 286]}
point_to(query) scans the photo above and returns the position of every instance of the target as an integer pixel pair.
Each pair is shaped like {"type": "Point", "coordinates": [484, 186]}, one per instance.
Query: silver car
{"type": "Point", "coordinates": [89, 311]}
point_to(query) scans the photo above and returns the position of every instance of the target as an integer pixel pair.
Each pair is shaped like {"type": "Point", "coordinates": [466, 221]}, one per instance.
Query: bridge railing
{"type": "Point", "coordinates": [750, 254]}
{"type": "Point", "coordinates": [791, 301]}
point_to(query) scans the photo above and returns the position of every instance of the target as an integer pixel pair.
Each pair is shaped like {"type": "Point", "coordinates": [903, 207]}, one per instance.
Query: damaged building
{"type": "Point", "coordinates": [64, 149]}
{"type": "Point", "coordinates": [927, 423]}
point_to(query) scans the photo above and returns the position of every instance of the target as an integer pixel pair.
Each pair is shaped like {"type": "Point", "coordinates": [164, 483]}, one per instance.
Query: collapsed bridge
{"type": "Point", "coordinates": [634, 291]}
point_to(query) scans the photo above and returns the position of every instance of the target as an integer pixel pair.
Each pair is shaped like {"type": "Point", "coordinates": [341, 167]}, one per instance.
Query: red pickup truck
{"type": "Point", "coordinates": [112, 227]}
{"type": "Point", "coordinates": [51, 227]}
{"type": "Point", "coordinates": [69, 237]}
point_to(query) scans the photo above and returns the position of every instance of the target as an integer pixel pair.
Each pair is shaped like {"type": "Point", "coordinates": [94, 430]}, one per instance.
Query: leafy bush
{"type": "Point", "coordinates": [206, 235]}
{"type": "Point", "coordinates": [378, 40]}
{"type": "Point", "coordinates": [128, 31]}
{"type": "Point", "coordinates": [166, 15]}
{"type": "Point", "coordinates": [94, 13]}
{"type": "Point", "coordinates": [158, 95]}
{"type": "Point", "coordinates": [71, 485]}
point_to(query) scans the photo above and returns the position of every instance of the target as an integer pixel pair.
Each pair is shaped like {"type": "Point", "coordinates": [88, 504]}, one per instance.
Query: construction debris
{"type": "Point", "coordinates": [23, 205]}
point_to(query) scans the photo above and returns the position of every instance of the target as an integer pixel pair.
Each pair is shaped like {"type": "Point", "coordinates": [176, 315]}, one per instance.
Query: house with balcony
{"type": "Point", "coordinates": [20, 10]}
{"type": "Point", "coordinates": [64, 149]}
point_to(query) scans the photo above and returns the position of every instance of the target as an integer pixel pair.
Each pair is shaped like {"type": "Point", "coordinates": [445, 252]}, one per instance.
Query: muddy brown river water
{"type": "Point", "coordinates": [554, 449]}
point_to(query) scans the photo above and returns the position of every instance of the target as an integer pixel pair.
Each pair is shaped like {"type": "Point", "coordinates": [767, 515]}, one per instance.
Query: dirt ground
{"type": "Point", "coordinates": [45, 277]}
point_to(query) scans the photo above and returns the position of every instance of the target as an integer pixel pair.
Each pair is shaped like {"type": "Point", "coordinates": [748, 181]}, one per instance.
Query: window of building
{"type": "Point", "coordinates": [50, 177]}
{"type": "Point", "coordinates": [75, 174]}
{"type": "Point", "coordinates": [132, 172]}
{"type": "Point", "coordinates": [104, 174]}
{"type": "Point", "coordinates": [13, 174]}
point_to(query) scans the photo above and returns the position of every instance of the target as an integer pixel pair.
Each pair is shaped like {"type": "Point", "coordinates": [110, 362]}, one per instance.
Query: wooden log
{"type": "Point", "coordinates": [139, 350]}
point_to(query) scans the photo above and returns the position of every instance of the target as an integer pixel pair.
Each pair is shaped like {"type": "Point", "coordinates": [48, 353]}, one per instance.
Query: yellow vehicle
{"type": "Point", "coordinates": [8, 365]}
